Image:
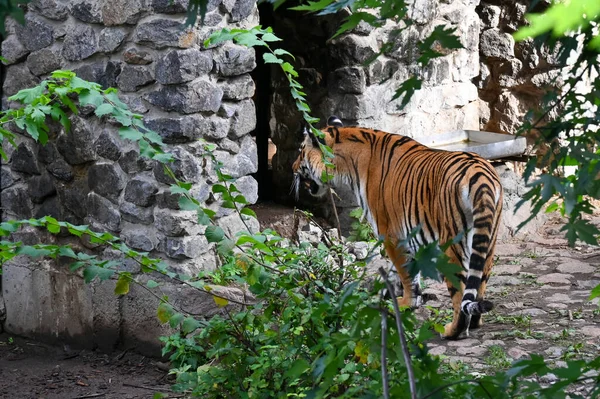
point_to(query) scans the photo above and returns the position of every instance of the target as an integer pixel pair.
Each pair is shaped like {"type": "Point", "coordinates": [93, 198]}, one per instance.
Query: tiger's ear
{"type": "Point", "coordinates": [334, 121]}
{"type": "Point", "coordinates": [313, 138]}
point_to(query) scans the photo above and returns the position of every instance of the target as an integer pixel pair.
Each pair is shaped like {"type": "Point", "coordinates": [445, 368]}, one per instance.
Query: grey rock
{"type": "Point", "coordinates": [242, 164]}
{"type": "Point", "coordinates": [61, 170]}
{"type": "Point", "coordinates": [170, 6]}
{"type": "Point", "coordinates": [186, 167]}
{"type": "Point", "coordinates": [179, 66]}
{"type": "Point", "coordinates": [41, 187]}
{"type": "Point", "coordinates": [104, 212]}
{"type": "Point", "coordinates": [176, 129]}
{"type": "Point", "coordinates": [77, 146]}
{"type": "Point", "coordinates": [35, 34]}
{"type": "Point", "coordinates": [141, 191]}
{"type": "Point", "coordinates": [232, 225]}
{"type": "Point", "coordinates": [349, 80]}
{"type": "Point", "coordinates": [233, 59]}
{"type": "Point", "coordinates": [80, 43]}
{"type": "Point", "coordinates": [136, 214]}
{"type": "Point", "coordinates": [354, 107]}
{"type": "Point", "coordinates": [110, 39]}
{"type": "Point", "coordinates": [200, 191]}
{"type": "Point", "coordinates": [213, 127]}
{"type": "Point", "coordinates": [73, 198]}
{"type": "Point", "coordinates": [108, 146]}
{"type": "Point", "coordinates": [176, 223]}
{"type": "Point", "coordinates": [133, 77]}
{"type": "Point", "coordinates": [15, 200]}
{"type": "Point", "coordinates": [132, 162]}
{"type": "Point", "coordinates": [106, 179]}
{"type": "Point", "coordinates": [575, 266]}
{"type": "Point", "coordinates": [229, 146]}
{"type": "Point", "coordinates": [143, 239]}
{"type": "Point", "coordinates": [185, 247]}
{"type": "Point", "coordinates": [490, 15]}
{"type": "Point", "coordinates": [497, 44]}
{"type": "Point", "coordinates": [197, 97]}
{"type": "Point", "coordinates": [50, 207]}
{"type": "Point", "coordinates": [118, 12]}
{"type": "Point", "coordinates": [135, 103]}
{"type": "Point", "coordinates": [243, 118]}
{"type": "Point", "coordinates": [136, 56]}
{"type": "Point", "coordinates": [353, 50]}
{"type": "Point", "coordinates": [237, 88]}
{"type": "Point", "coordinates": [51, 9]}
{"type": "Point", "coordinates": [18, 78]}
{"type": "Point", "coordinates": [7, 179]}
{"type": "Point", "coordinates": [527, 52]}
{"type": "Point", "coordinates": [24, 159]}
{"type": "Point", "coordinates": [161, 33]}
{"type": "Point", "coordinates": [104, 73]}
{"type": "Point", "coordinates": [242, 9]}
{"type": "Point", "coordinates": [248, 187]}
{"type": "Point", "coordinates": [12, 50]}
{"type": "Point", "coordinates": [44, 61]}
{"type": "Point", "coordinates": [87, 11]}
{"type": "Point", "coordinates": [555, 278]}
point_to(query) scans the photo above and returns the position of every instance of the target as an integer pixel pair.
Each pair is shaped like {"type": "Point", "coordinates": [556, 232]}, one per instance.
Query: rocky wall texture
{"type": "Point", "coordinates": [89, 175]}
{"type": "Point", "coordinates": [513, 76]}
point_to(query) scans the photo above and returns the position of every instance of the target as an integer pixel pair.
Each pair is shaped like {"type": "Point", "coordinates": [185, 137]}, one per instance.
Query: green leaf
{"type": "Point", "coordinates": [152, 284]}
{"type": "Point", "coordinates": [92, 97]}
{"type": "Point", "coordinates": [225, 246]}
{"type": "Point", "coordinates": [214, 233]}
{"type": "Point", "coordinates": [32, 251]}
{"type": "Point", "coordinates": [595, 292]}
{"type": "Point", "coordinates": [164, 312]}
{"type": "Point", "coordinates": [248, 212]}
{"type": "Point", "coordinates": [271, 59]}
{"type": "Point", "coordinates": [221, 302]}
{"type": "Point", "coordinates": [187, 204]}
{"type": "Point", "coordinates": [269, 37]}
{"type": "Point", "coordinates": [122, 286]}
{"type": "Point", "coordinates": [129, 133]}
{"type": "Point", "coordinates": [313, 5]}
{"type": "Point", "coordinates": [297, 368]}
{"type": "Point", "coordinates": [175, 320]}
{"type": "Point", "coordinates": [280, 51]}
{"type": "Point", "coordinates": [90, 272]}
{"type": "Point", "coordinates": [104, 109]}
{"type": "Point", "coordinates": [53, 228]}
{"type": "Point", "coordinates": [189, 325]}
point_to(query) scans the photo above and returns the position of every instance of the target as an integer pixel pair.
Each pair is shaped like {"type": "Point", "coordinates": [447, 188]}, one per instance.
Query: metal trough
{"type": "Point", "coordinates": [487, 144]}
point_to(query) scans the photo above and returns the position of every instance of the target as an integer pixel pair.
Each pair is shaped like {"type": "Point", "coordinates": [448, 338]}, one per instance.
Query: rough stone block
{"type": "Point", "coordinates": [136, 214]}
{"type": "Point", "coordinates": [118, 12]}
{"type": "Point", "coordinates": [44, 61]}
{"type": "Point", "coordinates": [80, 43]}
{"type": "Point", "coordinates": [197, 97]}
{"type": "Point", "coordinates": [133, 77]}
{"type": "Point", "coordinates": [497, 44]}
{"type": "Point", "coordinates": [176, 223]}
{"type": "Point", "coordinates": [50, 207]}
{"type": "Point", "coordinates": [77, 146]}
{"type": "Point", "coordinates": [87, 11]}
{"type": "Point", "coordinates": [110, 39]}
{"type": "Point", "coordinates": [213, 127]}
{"type": "Point", "coordinates": [237, 88]}
{"type": "Point", "coordinates": [7, 178]}
{"type": "Point", "coordinates": [170, 6]}
{"type": "Point", "coordinates": [18, 78]}
{"type": "Point", "coordinates": [41, 187]}
{"type": "Point", "coordinates": [61, 170]}
{"type": "Point", "coordinates": [73, 197]}
{"type": "Point", "coordinates": [132, 162]}
{"type": "Point", "coordinates": [140, 238]}
{"type": "Point", "coordinates": [243, 118]}
{"type": "Point", "coordinates": [349, 80]}
{"type": "Point", "coordinates": [16, 201]}
{"type": "Point", "coordinates": [232, 224]}
{"type": "Point", "coordinates": [490, 15]}
{"type": "Point", "coordinates": [248, 188]}
{"type": "Point", "coordinates": [12, 50]}
{"type": "Point", "coordinates": [35, 34]}
{"type": "Point", "coordinates": [141, 191]}
{"type": "Point", "coordinates": [186, 167]}
{"type": "Point", "coordinates": [104, 73]}
{"type": "Point", "coordinates": [106, 179]}
{"type": "Point", "coordinates": [161, 33]}
{"type": "Point", "coordinates": [175, 130]}
{"type": "Point", "coordinates": [351, 50]}
{"type": "Point", "coordinates": [107, 317]}
{"type": "Point", "coordinates": [108, 146]}
{"type": "Point", "coordinates": [180, 66]}
{"type": "Point", "coordinates": [242, 9]}
{"type": "Point", "coordinates": [51, 9]}
{"type": "Point", "coordinates": [353, 107]}
{"type": "Point", "coordinates": [104, 212]}
{"type": "Point", "coordinates": [138, 57]}
{"type": "Point", "coordinates": [233, 59]}
{"type": "Point", "coordinates": [24, 159]}
{"type": "Point", "coordinates": [184, 247]}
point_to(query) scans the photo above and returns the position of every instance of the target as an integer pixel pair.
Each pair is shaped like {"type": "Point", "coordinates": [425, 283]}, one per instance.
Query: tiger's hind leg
{"type": "Point", "coordinates": [460, 321]}
{"type": "Point", "coordinates": [477, 320]}
{"type": "Point", "coordinates": [411, 291]}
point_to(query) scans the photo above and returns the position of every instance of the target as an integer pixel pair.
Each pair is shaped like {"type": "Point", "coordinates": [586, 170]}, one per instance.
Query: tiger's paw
{"type": "Point", "coordinates": [476, 322]}
{"type": "Point", "coordinates": [453, 333]}
{"type": "Point", "coordinates": [410, 302]}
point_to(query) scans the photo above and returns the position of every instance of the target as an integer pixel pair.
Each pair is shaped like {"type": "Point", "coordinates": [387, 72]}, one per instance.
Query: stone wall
{"type": "Point", "coordinates": [90, 176]}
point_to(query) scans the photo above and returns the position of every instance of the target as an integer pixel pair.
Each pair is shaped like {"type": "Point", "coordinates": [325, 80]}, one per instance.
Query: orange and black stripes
{"type": "Point", "coordinates": [403, 185]}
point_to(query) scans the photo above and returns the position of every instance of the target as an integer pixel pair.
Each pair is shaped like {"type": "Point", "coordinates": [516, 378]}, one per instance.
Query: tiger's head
{"type": "Point", "coordinates": [309, 166]}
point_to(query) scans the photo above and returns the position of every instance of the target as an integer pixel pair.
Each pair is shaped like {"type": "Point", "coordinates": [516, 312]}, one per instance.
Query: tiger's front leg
{"type": "Point", "coordinates": [411, 288]}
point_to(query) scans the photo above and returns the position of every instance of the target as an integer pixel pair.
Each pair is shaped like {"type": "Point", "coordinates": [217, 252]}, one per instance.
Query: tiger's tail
{"type": "Point", "coordinates": [485, 228]}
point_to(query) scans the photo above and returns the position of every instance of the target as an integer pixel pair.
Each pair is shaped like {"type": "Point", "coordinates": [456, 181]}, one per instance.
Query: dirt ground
{"type": "Point", "coordinates": [540, 288]}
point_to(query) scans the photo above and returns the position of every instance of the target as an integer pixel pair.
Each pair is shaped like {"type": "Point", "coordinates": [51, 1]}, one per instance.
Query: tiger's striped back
{"type": "Point", "coordinates": [402, 184]}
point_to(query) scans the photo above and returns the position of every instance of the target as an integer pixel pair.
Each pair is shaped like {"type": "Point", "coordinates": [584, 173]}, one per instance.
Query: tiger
{"type": "Point", "coordinates": [404, 186]}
